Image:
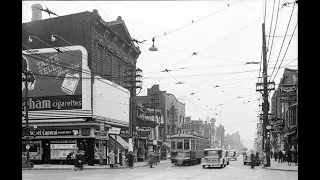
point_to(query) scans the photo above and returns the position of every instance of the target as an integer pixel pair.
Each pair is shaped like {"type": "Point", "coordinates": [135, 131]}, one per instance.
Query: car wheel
{"type": "Point", "coordinates": [203, 166]}
{"type": "Point", "coordinates": [244, 163]}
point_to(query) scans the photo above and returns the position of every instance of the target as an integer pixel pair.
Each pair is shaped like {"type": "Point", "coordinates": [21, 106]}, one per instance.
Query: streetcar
{"type": "Point", "coordinates": [187, 149]}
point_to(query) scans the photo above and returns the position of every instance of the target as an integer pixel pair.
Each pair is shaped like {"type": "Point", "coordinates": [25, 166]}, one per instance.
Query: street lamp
{"type": "Point", "coordinates": [153, 48]}
{"type": "Point", "coordinates": [54, 39]}
{"type": "Point", "coordinates": [30, 40]}
{"type": "Point", "coordinates": [27, 78]}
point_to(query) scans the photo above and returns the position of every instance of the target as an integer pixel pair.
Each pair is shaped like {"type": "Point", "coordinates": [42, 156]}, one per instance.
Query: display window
{"type": "Point", "coordinates": [59, 149]}
{"type": "Point", "coordinates": [35, 150]}
{"type": "Point", "coordinates": [100, 149]}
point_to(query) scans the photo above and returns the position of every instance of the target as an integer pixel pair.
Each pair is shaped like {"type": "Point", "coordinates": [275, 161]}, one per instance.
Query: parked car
{"type": "Point", "coordinates": [247, 158]}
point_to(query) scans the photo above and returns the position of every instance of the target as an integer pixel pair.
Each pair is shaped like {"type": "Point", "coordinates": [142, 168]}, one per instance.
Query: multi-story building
{"type": "Point", "coordinates": [220, 136]}
{"type": "Point", "coordinates": [284, 106]}
{"type": "Point", "coordinates": [101, 57]}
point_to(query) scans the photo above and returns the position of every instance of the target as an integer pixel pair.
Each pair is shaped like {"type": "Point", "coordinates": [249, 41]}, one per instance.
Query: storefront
{"type": "Point", "coordinates": [50, 144]}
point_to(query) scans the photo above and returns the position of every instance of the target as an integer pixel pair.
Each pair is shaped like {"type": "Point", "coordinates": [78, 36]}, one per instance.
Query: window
{"type": "Point", "coordinates": [186, 144]}
{"type": "Point", "coordinates": [193, 144]}
{"type": "Point", "coordinates": [179, 144]}
{"type": "Point", "coordinates": [99, 59]}
{"type": "Point", "coordinates": [173, 144]}
{"type": "Point", "coordinates": [212, 153]}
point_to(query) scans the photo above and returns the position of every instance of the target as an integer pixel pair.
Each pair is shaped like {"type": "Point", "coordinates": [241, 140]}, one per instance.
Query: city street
{"type": "Point", "coordinates": [165, 171]}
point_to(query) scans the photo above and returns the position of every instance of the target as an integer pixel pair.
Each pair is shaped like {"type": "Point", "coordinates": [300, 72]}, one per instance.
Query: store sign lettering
{"type": "Point", "coordinates": [54, 132]}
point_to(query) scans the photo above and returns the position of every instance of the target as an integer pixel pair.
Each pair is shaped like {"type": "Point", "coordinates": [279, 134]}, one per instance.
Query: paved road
{"type": "Point", "coordinates": [235, 171]}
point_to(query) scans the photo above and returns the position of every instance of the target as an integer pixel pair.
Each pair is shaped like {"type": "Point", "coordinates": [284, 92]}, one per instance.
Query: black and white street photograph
{"type": "Point", "coordinates": [160, 90]}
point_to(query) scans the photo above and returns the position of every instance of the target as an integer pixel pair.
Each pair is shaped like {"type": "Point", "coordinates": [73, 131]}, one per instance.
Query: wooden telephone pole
{"type": "Point", "coordinates": [264, 88]}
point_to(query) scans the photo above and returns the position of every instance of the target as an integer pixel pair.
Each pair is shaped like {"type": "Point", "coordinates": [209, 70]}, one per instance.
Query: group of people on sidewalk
{"type": "Point", "coordinates": [128, 159]}
{"type": "Point", "coordinates": [290, 156]}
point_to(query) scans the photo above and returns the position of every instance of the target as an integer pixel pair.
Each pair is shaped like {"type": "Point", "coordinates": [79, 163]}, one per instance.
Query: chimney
{"type": "Point", "coordinates": [36, 12]}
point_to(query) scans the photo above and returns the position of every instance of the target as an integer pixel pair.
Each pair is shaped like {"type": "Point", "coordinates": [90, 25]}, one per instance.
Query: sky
{"type": "Point", "coordinates": [205, 45]}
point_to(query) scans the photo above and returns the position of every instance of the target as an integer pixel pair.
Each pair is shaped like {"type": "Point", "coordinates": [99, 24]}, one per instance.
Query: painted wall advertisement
{"type": "Point", "coordinates": [58, 80]}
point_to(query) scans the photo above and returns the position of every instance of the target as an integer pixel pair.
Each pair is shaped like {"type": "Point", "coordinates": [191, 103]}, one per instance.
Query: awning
{"type": "Point", "coordinates": [121, 141]}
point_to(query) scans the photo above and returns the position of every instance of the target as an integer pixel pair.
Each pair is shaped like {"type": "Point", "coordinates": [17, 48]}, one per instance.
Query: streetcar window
{"type": "Point", "coordinates": [179, 144]}
{"type": "Point", "coordinates": [173, 145]}
{"type": "Point", "coordinates": [193, 144]}
{"type": "Point", "coordinates": [186, 144]}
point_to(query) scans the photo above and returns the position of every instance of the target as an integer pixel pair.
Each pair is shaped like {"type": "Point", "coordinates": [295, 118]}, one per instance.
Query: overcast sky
{"type": "Point", "coordinates": [224, 34]}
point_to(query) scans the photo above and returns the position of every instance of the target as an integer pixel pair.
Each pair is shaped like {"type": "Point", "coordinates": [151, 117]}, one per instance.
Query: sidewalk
{"type": "Point", "coordinates": [282, 166]}
{"type": "Point", "coordinates": [96, 166]}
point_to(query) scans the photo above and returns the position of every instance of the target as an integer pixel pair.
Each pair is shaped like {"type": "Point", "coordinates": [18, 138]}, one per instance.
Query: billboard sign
{"type": "Point", "coordinates": [58, 78]}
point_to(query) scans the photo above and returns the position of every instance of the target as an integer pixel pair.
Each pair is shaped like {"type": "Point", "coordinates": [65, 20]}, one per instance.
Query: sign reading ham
{"type": "Point", "coordinates": [58, 83]}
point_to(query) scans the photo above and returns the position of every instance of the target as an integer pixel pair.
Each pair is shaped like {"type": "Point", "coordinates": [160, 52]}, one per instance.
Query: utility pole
{"type": "Point", "coordinates": [134, 83]}
{"type": "Point", "coordinates": [28, 77]}
{"type": "Point", "coordinates": [263, 87]}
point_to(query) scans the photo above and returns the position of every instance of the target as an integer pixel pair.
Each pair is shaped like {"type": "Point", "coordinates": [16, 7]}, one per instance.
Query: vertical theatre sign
{"type": "Point", "coordinates": [58, 79]}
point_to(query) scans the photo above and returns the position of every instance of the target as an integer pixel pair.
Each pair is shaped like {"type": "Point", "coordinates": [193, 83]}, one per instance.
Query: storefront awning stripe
{"type": "Point", "coordinates": [121, 141]}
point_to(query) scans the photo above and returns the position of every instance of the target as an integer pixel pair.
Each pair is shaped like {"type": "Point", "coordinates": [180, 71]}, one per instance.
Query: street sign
{"type": "Point", "coordinates": [114, 130]}
{"type": "Point", "coordinates": [276, 122]}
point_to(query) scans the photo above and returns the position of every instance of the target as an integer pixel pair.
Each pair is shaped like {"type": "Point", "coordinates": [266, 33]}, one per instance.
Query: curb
{"type": "Point", "coordinates": [85, 168]}
{"type": "Point", "coordinates": [281, 169]}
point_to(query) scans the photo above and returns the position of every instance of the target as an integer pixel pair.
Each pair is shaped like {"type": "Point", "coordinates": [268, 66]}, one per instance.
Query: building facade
{"type": "Point", "coordinates": [101, 67]}
{"type": "Point", "coordinates": [284, 105]}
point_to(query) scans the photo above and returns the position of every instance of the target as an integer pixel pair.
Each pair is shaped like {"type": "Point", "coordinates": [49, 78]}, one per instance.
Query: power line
{"type": "Point", "coordinates": [285, 53]}
{"type": "Point", "coordinates": [193, 22]}
{"type": "Point", "coordinates": [274, 31]}
{"type": "Point", "coordinates": [283, 39]}
{"type": "Point", "coordinates": [102, 10]}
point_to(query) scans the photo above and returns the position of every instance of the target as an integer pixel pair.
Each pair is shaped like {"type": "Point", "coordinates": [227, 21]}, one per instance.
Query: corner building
{"type": "Point", "coordinates": [99, 56]}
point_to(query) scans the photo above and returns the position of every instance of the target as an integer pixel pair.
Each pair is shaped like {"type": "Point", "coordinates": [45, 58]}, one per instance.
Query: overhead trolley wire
{"type": "Point", "coordinates": [285, 53]}
{"type": "Point", "coordinates": [283, 39]}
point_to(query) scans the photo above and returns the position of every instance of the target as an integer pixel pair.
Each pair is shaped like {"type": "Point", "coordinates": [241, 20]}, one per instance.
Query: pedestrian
{"type": "Point", "coordinates": [111, 157]}
{"type": "Point", "coordinates": [257, 157]}
{"type": "Point", "coordinates": [253, 160]}
{"type": "Point", "coordinates": [275, 155]}
{"type": "Point", "coordinates": [284, 156]}
{"type": "Point", "coordinates": [271, 154]}
{"type": "Point", "coordinates": [263, 159]}
{"type": "Point", "coordinates": [289, 156]}
{"type": "Point", "coordinates": [124, 159]}
{"type": "Point", "coordinates": [68, 159]}
{"type": "Point", "coordinates": [280, 156]}
{"type": "Point", "coordinates": [130, 159]}
{"type": "Point", "coordinates": [295, 157]}
{"type": "Point", "coordinates": [151, 159]}
{"type": "Point", "coordinates": [100, 158]}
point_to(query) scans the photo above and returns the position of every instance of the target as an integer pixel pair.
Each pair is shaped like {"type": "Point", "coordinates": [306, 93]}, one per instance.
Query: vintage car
{"type": "Point", "coordinates": [214, 157]}
{"type": "Point", "coordinates": [232, 154]}
{"type": "Point", "coordinates": [247, 158]}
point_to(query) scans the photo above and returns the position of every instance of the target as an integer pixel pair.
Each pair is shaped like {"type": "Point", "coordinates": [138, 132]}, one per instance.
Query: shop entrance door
{"type": "Point", "coordinates": [46, 151]}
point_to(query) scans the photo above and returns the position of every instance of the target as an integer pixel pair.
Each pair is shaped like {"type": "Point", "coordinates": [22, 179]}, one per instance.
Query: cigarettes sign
{"type": "Point", "coordinates": [58, 80]}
